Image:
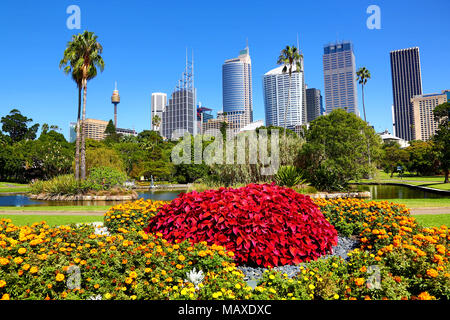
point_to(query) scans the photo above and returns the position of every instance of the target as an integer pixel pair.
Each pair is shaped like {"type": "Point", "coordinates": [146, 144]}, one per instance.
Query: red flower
{"type": "Point", "coordinates": [262, 224]}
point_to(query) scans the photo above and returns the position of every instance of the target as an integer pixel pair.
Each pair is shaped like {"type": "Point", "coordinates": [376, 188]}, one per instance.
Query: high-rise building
{"type": "Point", "coordinates": [406, 83]}
{"type": "Point", "coordinates": [275, 87]}
{"type": "Point", "coordinates": [72, 132]}
{"type": "Point", "coordinates": [95, 129]}
{"type": "Point", "coordinates": [424, 124]}
{"type": "Point", "coordinates": [313, 104]}
{"type": "Point", "coordinates": [339, 70]}
{"type": "Point", "coordinates": [180, 115]}
{"type": "Point", "coordinates": [158, 105]}
{"type": "Point", "coordinates": [237, 90]}
{"type": "Point", "coordinates": [203, 115]}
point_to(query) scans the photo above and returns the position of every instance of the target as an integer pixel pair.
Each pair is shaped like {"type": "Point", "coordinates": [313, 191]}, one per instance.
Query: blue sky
{"type": "Point", "coordinates": [145, 44]}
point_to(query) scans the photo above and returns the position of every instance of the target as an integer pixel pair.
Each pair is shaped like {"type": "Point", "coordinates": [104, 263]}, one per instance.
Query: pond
{"type": "Point", "coordinates": [22, 200]}
{"type": "Point", "coordinates": [381, 191]}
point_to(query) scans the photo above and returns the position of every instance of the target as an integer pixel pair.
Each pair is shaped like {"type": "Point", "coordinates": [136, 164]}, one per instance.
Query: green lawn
{"type": "Point", "coordinates": [433, 220]}
{"type": "Point", "coordinates": [57, 208]}
{"type": "Point", "coordinates": [436, 182]}
{"type": "Point", "coordinates": [420, 203]}
{"type": "Point", "coordinates": [13, 187]}
{"type": "Point", "coordinates": [51, 220]}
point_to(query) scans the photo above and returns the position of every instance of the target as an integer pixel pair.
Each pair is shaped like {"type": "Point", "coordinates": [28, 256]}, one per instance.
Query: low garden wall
{"type": "Point", "coordinates": [47, 197]}
{"type": "Point", "coordinates": [343, 195]}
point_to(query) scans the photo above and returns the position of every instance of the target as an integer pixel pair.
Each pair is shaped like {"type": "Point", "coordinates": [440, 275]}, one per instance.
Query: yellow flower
{"type": "Point", "coordinates": [311, 286]}
{"type": "Point", "coordinates": [336, 296]}
{"type": "Point", "coordinates": [133, 274]}
{"type": "Point", "coordinates": [2, 283]}
{"type": "Point", "coordinates": [18, 260]}
{"type": "Point", "coordinates": [128, 280]}
{"type": "Point", "coordinates": [60, 277]}
{"type": "Point", "coordinates": [26, 267]}
{"type": "Point", "coordinates": [22, 250]}
{"type": "Point", "coordinates": [271, 277]}
{"type": "Point", "coordinates": [237, 286]}
{"type": "Point", "coordinates": [33, 270]}
{"type": "Point", "coordinates": [432, 273]}
{"type": "Point", "coordinates": [108, 295]}
{"type": "Point", "coordinates": [5, 297]}
{"type": "Point", "coordinates": [181, 258]}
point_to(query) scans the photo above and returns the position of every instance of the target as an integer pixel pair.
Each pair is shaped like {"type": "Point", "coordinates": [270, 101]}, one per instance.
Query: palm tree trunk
{"type": "Point", "coordinates": [77, 150]}
{"type": "Point", "coordinates": [83, 134]}
{"type": "Point", "coordinates": [368, 143]}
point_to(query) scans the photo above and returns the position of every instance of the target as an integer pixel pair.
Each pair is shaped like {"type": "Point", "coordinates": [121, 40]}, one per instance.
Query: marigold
{"type": "Point", "coordinates": [60, 277]}
{"type": "Point", "coordinates": [359, 281]}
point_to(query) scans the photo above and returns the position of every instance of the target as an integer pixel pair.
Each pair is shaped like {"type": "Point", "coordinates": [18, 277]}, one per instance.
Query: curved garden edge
{"type": "Point", "coordinates": [47, 197]}
{"type": "Point", "coordinates": [445, 192]}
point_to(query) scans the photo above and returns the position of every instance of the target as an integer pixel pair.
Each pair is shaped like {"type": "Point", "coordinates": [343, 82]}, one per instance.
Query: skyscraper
{"type": "Point", "coordinates": [339, 70]}
{"type": "Point", "coordinates": [180, 115]}
{"type": "Point", "coordinates": [158, 105]}
{"type": "Point", "coordinates": [237, 90]}
{"type": "Point", "coordinates": [275, 87]}
{"type": "Point", "coordinates": [406, 83]}
{"type": "Point", "coordinates": [313, 104]}
{"type": "Point", "coordinates": [425, 125]}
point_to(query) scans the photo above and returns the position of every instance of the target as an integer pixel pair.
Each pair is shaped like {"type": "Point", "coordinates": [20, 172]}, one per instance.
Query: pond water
{"type": "Point", "coordinates": [380, 191]}
{"type": "Point", "coordinates": [21, 200]}
{"type": "Point", "coordinates": [377, 191]}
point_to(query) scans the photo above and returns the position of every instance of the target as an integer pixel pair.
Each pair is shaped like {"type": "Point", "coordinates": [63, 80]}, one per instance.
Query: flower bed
{"type": "Point", "coordinates": [37, 262]}
{"type": "Point", "coordinates": [264, 225]}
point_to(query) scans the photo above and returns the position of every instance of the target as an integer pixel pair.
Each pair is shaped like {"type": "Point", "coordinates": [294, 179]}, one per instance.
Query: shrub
{"type": "Point", "coordinates": [263, 225]}
{"type": "Point", "coordinates": [105, 178]}
{"type": "Point", "coordinates": [65, 184]}
{"type": "Point", "coordinates": [288, 176]}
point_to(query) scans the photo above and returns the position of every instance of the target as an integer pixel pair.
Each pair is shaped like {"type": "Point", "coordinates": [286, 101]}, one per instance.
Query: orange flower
{"type": "Point", "coordinates": [359, 281]}
{"type": "Point", "coordinates": [432, 273]}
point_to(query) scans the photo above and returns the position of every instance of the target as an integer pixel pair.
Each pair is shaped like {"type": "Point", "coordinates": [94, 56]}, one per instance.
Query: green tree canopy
{"type": "Point", "coordinates": [335, 150]}
{"type": "Point", "coordinates": [442, 137]}
{"type": "Point", "coordinates": [16, 126]}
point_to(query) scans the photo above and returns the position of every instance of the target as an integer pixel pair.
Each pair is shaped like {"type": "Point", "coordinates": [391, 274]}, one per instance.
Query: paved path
{"type": "Point", "coordinates": [432, 210]}
{"type": "Point", "coordinates": [414, 211]}
{"type": "Point", "coordinates": [52, 213]}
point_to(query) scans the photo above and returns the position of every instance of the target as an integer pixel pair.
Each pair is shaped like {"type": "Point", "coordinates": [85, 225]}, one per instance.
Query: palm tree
{"type": "Point", "coordinates": [156, 121]}
{"type": "Point", "coordinates": [290, 58]}
{"type": "Point", "coordinates": [362, 75]}
{"type": "Point", "coordinates": [83, 57]}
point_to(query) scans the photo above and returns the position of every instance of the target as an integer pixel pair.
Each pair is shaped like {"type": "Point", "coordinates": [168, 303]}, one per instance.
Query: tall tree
{"type": "Point", "coordinates": [16, 126]}
{"type": "Point", "coordinates": [362, 75]}
{"type": "Point", "coordinates": [82, 57]}
{"type": "Point", "coordinates": [69, 62]}
{"type": "Point", "coordinates": [442, 137]}
{"type": "Point", "coordinates": [290, 58]}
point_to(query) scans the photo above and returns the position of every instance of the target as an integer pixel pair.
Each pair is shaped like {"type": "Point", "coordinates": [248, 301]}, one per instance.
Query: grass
{"type": "Point", "coordinates": [51, 220]}
{"type": "Point", "coordinates": [420, 203]}
{"type": "Point", "coordinates": [6, 187]}
{"type": "Point", "coordinates": [436, 182]}
{"type": "Point", "coordinates": [433, 220]}
{"type": "Point", "coordinates": [57, 208]}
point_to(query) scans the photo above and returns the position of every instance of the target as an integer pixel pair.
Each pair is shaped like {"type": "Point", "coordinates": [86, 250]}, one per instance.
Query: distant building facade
{"type": "Point", "coordinates": [406, 83]}
{"type": "Point", "coordinates": [339, 69]}
{"type": "Point", "coordinates": [158, 105]}
{"type": "Point", "coordinates": [237, 90]}
{"type": "Point", "coordinates": [180, 115]}
{"type": "Point", "coordinates": [424, 124]}
{"type": "Point", "coordinates": [95, 129]}
{"type": "Point", "coordinates": [314, 104]}
{"type": "Point", "coordinates": [275, 87]}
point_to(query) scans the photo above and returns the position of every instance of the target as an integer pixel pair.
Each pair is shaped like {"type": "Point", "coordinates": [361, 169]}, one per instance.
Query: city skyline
{"type": "Point", "coordinates": [139, 63]}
